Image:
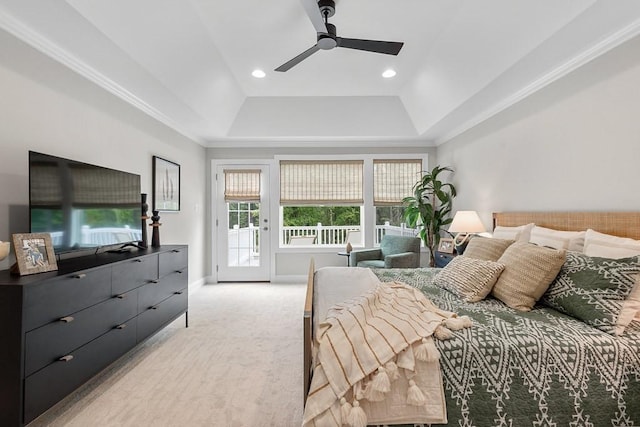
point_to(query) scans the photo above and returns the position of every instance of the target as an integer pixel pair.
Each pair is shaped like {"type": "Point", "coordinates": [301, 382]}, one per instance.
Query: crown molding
{"type": "Point", "coordinates": [34, 39]}
{"type": "Point", "coordinates": [609, 43]}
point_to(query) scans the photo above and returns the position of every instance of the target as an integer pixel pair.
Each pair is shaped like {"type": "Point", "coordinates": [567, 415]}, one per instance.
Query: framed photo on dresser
{"type": "Point", "coordinates": [34, 253]}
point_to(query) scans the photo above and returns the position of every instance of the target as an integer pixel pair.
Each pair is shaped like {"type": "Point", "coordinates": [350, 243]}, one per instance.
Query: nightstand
{"type": "Point", "coordinates": [442, 259]}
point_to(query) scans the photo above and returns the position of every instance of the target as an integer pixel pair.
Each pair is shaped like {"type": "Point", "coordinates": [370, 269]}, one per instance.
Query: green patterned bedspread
{"type": "Point", "coordinates": [540, 368]}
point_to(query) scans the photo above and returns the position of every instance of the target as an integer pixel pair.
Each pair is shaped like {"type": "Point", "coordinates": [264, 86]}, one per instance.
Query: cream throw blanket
{"type": "Point", "coordinates": [360, 347]}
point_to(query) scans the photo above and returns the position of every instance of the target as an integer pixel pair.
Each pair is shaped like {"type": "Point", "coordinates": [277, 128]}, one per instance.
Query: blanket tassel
{"type": "Point", "coordinates": [345, 410]}
{"type": "Point", "coordinates": [415, 396]}
{"type": "Point", "coordinates": [392, 370]}
{"type": "Point", "coordinates": [427, 351]}
{"type": "Point", "coordinates": [357, 417]}
{"type": "Point", "coordinates": [380, 381]}
{"type": "Point", "coordinates": [443, 333]}
{"type": "Point", "coordinates": [457, 323]}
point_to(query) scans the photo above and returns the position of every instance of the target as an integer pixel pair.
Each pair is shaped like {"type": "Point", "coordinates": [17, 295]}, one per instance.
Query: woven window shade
{"type": "Point", "coordinates": [241, 185]}
{"type": "Point", "coordinates": [393, 180]}
{"type": "Point", "coordinates": [321, 182]}
{"type": "Point", "coordinates": [93, 187]}
{"type": "Point", "coordinates": [89, 187]}
{"type": "Point", "coordinates": [46, 189]}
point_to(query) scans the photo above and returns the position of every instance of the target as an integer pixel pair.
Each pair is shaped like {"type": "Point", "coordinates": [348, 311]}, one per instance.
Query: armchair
{"type": "Point", "coordinates": [394, 252]}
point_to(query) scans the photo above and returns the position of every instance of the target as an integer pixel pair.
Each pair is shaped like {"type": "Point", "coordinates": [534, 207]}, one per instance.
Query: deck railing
{"type": "Point", "coordinates": [247, 239]}
{"type": "Point", "coordinates": [336, 235]}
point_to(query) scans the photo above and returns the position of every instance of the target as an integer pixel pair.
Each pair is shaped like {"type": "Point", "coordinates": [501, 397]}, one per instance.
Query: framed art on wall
{"type": "Point", "coordinates": [166, 185]}
{"type": "Point", "coordinates": [34, 253]}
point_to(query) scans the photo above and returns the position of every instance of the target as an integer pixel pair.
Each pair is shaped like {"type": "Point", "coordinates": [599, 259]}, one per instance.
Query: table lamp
{"type": "Point", "coordinates": [464, 224]}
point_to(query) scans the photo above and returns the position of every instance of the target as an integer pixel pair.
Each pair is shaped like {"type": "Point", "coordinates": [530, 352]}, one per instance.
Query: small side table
{"type": "Point", "coordinates": [347, 254]}
{"type": "Point", "coordinates": [442, 259]}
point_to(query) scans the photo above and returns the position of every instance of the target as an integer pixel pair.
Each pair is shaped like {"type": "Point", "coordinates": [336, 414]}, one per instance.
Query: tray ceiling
{"type": "Point", "coordinates": [188, 63]}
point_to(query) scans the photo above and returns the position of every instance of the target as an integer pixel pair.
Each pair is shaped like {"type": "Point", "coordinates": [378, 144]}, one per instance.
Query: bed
{"type": "Point", "coordinates": [521, 368]}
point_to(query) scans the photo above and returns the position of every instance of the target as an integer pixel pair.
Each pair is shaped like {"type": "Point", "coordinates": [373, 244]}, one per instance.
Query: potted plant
{"type": "Point", "coordinates": [430, 208]}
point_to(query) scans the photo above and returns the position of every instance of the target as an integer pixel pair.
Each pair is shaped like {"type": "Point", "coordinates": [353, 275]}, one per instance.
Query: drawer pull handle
{"type": "Point", "coordinates": [177, 293]}
{"type": "Point", "coordinates": [175, 251]}
{"type": "Point", "coordinates": [121, 296]}
{"type": "Point", "coordinates": [153, 307]}
{"type": "Point", "coordinates": [67, 358]}
{"type": "Point", "coordinates": [153, 281]}
{"type": "Point", "coordinates": [80, 276]}
{"type": "Point", "coordinates": [137, 260]}
{"type": "Point", "coordinates": [124, 325]}
{"type": "Point", "coordinates": [179, 271]}
{"type": "Point", "coordinates": [67, 319]}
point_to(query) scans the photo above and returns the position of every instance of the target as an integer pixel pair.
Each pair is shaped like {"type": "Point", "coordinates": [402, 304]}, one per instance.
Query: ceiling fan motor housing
{"type": "Point", "coordinates": [327, 41]}
{"type": "Point", "coordinates": [327, 7]}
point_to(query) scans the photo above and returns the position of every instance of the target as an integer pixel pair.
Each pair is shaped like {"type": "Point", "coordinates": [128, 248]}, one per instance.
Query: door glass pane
{"type": "Point", "coordinates": [244, 235]}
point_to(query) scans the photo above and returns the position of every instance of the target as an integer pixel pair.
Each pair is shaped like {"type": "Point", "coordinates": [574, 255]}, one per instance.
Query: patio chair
{"type": "Point", "coordinates": [394, 252]}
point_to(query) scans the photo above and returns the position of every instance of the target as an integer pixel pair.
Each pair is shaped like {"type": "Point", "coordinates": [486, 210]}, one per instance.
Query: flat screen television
{"type": "Point", "coordinates": [82, 206]}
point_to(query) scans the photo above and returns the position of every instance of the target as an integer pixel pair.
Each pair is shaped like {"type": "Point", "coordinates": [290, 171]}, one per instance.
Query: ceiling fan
{"type": "Point", "coordinates": [319, 12]}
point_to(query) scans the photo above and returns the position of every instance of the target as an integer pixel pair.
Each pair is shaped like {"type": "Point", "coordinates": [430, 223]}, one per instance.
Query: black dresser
{"type": "Point", "coordinates": [61, 328]}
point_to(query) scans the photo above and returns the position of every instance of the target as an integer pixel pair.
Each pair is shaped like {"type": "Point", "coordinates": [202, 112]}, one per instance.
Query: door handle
{"type": "Point", "coordinates": [265, 228]}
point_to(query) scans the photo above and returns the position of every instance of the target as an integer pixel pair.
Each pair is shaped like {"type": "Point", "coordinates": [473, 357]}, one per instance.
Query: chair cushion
{"type": "Point", "coordinates": [372, 263]}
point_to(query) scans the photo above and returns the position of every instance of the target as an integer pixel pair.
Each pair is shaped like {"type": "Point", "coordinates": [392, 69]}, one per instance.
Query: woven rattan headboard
{"type": "Point", "coordinates": [623, 224]}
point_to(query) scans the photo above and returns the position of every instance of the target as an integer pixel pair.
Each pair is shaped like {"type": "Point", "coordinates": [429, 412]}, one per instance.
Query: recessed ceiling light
{"type": "Point", "coordinates": [389, 73]}
{"type": "Point", "coordinates": [258, 73]}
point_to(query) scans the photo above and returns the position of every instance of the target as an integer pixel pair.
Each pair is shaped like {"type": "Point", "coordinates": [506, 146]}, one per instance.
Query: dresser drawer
{"type": "Point", "coordinates": [53, 299]}
{"type": "Point", "coordinates": [159, 290]}
{"type": "Point", "coordinates": [49, 385]}
{"type": "Point", "coordinates": [134, 273]}
{"type": "Point", "coordinates": [175, 259]}
{"type": "Point", "coordinates": [47, 343]}
{"type": "Point", "coordinates": [160, 314]}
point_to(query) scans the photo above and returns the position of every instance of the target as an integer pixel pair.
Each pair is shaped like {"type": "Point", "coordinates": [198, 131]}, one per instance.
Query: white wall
{"type": "Point", "coordinates": [47, 108]}
{"type": "Point", "coordinates": [573, 146]}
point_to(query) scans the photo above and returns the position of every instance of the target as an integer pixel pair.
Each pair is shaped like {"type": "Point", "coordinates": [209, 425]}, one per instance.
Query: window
{"type": "Point", "coordinates": [321, 198]}
{"type": "Point", "coordinates": [326, 199]}
{"type": "Point", "coordinates": [242, 194]}
{"type": "Point", "coordinates": [393, 180]}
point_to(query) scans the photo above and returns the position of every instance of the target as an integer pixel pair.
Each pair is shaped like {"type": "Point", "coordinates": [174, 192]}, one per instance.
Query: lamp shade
{"type": "Point", "coordinates": [466, 222]}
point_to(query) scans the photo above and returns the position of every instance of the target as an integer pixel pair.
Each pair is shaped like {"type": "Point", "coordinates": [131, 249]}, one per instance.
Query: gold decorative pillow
{"type": "Point", "coordinates": [487, 249]}
{"type": "Point", "coordinates": [469, 278]}
{"type": "Point", "coordinates": [528, 272]}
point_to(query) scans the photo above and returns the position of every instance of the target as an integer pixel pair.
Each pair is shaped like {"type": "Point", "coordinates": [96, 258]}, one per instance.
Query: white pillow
{"type": "Point", "coordinates": [608, 246]}
{"type": "Point", "coordinates": [630, 309]}
{"type": "Point", "coordinates": [569, 240]}
{"type": "Point", "coordinates": [519, 234]}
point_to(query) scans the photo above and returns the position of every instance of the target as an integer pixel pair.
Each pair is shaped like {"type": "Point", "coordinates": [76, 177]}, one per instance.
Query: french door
{"type": "Point", "coordinates": [242, 223]}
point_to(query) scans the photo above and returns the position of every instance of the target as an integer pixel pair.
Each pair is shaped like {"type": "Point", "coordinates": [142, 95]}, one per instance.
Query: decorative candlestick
{"type": "Point", "coordinates": [143, 219]}
{"type": "Point", "coordinates": [155, 233]}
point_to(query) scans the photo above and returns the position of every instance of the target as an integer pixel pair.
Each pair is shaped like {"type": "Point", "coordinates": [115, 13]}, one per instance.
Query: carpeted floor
{"type": "Point", "coordinates": [238, 364]}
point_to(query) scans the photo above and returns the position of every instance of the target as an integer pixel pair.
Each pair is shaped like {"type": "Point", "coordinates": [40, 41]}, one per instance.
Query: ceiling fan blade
{"type": "Point", "coordinates": [298, 59]}
{"type": "Point", "coordinates": [388, 48]}
{"type": "Point", "coordinates": [313, 11]}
